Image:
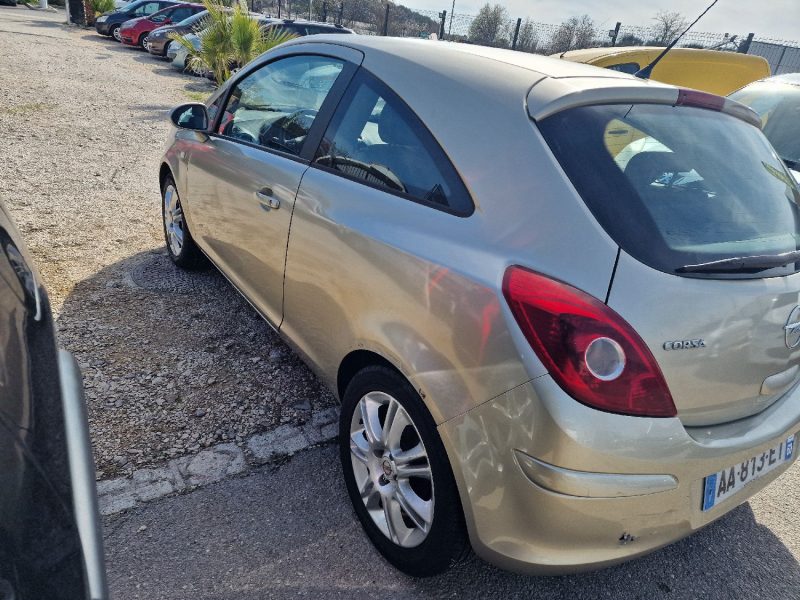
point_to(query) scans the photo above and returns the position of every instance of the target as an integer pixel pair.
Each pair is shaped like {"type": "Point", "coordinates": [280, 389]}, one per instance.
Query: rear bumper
{"type": "Point", "coordinates": [157, 47]}
{"type": "Point", "coordinates": [82, 474]}
{"type": "Point", "coordinates": [551, 486]}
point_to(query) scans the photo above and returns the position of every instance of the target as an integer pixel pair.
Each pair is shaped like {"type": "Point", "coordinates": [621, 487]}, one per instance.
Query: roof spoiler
{"type": "Point", "coordinates": [552, 95]}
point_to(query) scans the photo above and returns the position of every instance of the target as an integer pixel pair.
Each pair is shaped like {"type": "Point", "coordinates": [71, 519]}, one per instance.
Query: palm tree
{"type": "Point", "coordinates": [248, 40]}
{"type": "Point", "coordinates": [228, 39]}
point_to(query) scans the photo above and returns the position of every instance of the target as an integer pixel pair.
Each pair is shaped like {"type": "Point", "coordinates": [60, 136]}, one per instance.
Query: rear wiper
{"type": "Point", "coordinates": [752, 264]}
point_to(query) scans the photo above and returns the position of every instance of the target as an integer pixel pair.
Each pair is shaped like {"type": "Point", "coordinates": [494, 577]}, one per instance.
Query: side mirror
{"type": "Point", "coordinates": [192, 116]}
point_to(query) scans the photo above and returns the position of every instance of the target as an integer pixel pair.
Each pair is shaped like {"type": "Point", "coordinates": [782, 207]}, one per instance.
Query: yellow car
{"type": "Point", "coordinates": [712, 71]}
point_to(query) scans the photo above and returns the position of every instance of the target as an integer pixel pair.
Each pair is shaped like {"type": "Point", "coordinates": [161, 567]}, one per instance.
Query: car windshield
{"type": "Point", "coordinates": [778, 105]}
{"type": "Point", "coordinates": [680, 186]}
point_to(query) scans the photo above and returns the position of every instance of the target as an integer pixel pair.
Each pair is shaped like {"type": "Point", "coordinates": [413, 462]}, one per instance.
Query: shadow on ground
{"type": "Point", "coordinates": [174, 361]}
{"type": "Point", "coordinates": [291, 533]}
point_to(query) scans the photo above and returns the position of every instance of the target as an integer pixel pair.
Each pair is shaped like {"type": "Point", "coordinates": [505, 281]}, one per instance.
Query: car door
{"type": "Point", "coordinates": [376, 215]}
{"type": "Point", "coordinates": [242, 183]}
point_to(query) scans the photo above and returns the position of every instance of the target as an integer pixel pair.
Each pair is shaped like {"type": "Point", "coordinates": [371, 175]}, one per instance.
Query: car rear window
{"type": "Point", "coordinates": [678, 185]}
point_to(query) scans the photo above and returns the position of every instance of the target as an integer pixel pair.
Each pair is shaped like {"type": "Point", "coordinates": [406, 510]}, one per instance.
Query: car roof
{"type": "Point", "coordinates": [423, 51]}
{"type": "Point", "coordinates": [427, 72]}
{"type": "Point", "coordinates": [458, 68]}
{"type": "Point", "coordinates": [790, 78]}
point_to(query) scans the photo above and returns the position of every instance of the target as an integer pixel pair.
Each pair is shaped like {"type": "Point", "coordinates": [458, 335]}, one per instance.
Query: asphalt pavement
{"type": "Point", "coordinates": [289, 532]}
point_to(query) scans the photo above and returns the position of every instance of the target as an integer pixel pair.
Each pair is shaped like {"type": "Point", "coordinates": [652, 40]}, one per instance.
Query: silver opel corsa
{"type": "Point", "coordinates": [560, 305]}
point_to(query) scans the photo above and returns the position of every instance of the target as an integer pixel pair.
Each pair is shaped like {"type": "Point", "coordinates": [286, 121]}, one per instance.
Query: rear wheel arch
{"type": "Point", "coordinates": [356, 361]}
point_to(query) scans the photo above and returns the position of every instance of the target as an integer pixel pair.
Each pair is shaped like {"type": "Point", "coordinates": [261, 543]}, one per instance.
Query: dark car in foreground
{"type": "Point", "coordinates": [777, 101]}
{"type": "Point", "coordinates": [110, 23]}
{"type": "Point", "coordinates": [135, 31]}
{"type": "Point", "coordinates": [50, 544]}
{"type": "Point", "coordinates": [159, 41]}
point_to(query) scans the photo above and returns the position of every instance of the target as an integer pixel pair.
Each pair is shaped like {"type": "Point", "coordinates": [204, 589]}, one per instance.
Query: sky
{"type": "Point", "coordinates": [766, 18]}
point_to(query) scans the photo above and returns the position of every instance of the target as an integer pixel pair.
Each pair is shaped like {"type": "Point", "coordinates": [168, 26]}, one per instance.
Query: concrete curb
{"type": "Point", "coordinates": [214, 464]}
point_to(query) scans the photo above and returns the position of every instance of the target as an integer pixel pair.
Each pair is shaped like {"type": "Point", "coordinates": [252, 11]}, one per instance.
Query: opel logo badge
{"type": "Point", "coordinates": [791, 331]}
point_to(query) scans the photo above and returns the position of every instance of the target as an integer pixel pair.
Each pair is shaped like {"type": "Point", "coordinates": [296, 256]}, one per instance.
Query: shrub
{"type": "Point", "coordinates": [101, 6]}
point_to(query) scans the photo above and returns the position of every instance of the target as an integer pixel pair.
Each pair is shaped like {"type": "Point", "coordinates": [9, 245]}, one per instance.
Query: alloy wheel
{"type": "Point", "coordinates": [117, 35]}
{"type": "Point", "coordinates": [174, 223]}
{"type": "Point", "coordinates": [391, 469]}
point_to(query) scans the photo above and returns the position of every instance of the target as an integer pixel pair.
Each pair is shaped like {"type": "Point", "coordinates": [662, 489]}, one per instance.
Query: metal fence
{"type": "Point", "coordinates": [523, 34]}
{"type": "Point", "coordinates": [782, 57]}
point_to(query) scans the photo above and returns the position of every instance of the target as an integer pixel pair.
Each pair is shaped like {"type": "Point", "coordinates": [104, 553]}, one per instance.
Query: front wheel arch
{"type": "Point", "coordinates": [163, 173]}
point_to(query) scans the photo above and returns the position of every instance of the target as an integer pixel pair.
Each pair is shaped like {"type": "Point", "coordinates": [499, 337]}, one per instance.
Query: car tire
{"type": "Point", "coordinates": [419, 536]}
{"type": "Point", "coordinates": [180, 245]}
{"type": "Point", "coordinates": [166, 48]}
{"type": "Point", "coordinates": [142, 39]}
{"type": "Point", "coordinates": [114, 33]}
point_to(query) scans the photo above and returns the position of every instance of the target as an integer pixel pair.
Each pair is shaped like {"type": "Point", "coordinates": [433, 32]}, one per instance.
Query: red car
{"type": "Point", "coordinates": [135, 31]}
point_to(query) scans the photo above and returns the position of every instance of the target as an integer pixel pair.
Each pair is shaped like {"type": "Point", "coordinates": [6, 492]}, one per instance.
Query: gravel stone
{"type": "Point", "coordinates": [84, 122]}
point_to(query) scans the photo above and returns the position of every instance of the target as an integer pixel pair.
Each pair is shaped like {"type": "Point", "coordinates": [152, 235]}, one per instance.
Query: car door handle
{"type": "Point", "coordinates": [268, 201]}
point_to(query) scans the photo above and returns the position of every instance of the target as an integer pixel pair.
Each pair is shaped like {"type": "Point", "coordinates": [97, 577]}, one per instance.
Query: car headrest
{"type": "Point", "coordinates": [393, 130]}
{"type": "Point", "coordinates": [644, 168]}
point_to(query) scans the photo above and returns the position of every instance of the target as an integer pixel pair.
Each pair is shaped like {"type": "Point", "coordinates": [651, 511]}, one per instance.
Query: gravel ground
{"type": "Point", "coordinates": [172, 362]}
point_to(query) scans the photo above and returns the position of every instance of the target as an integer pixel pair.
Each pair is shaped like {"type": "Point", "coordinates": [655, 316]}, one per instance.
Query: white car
{"type": "Point", "coordinates": [777, 102]}
{"type": "Point", "coordinates": [178, 53]}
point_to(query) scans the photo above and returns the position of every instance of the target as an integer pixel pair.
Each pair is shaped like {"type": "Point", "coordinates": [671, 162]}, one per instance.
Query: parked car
{"type": "Point", "coordinates": [567, 354]}
{"type": "Point", "coordinates": [301, 27]}
{"type": "Point", "coordinates": [712, 71]}
{"type": "Point", "coordinates": [135, 31]}
{"type": "Point", "coordinates": [179, 54]}
{"type": "Point", "coordinates": [777, 102]}
{"type": "Point", "coordinates": [109, 23]}
{"type": "Point", "coordinates": [50, 542]}
{"type": "Point", "coordinates": [158, 41]}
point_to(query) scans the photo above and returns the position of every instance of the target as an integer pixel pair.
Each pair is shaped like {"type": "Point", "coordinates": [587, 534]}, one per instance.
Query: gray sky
{"type": "Point", "coordinates": [766, 18]}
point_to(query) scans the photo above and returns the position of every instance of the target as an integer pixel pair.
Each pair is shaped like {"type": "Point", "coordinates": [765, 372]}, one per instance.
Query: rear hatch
{"type": "Point", "coordinates": [706, 217]}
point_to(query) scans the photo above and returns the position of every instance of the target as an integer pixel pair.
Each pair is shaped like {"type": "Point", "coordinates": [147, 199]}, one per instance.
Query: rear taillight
{"type": "Point", "coordinates": [589, 350]}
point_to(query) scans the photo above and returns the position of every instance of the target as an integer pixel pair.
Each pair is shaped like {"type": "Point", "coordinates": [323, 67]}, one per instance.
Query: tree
{"type": "Point", "coordinates": [629, 40]}
{"type": "Point", "coordinates": [573, 34]}
{"type": "Point", "coordinates": [490, 26]}
{"type": "Point", "coordinates": [585, 33]}
{"type": "Point", "coordinates": [668, 26]}
{"type": "Point", "coordinates": [528, 38]}
{"type": "Point", "coordinates": [228, 39]}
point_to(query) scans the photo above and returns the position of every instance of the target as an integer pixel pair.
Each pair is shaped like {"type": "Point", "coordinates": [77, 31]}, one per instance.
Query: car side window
{"type": "Point", "coordinates": [147, 9]}
{"type": "Point", "coordinates": [376, 138]}
{"type": "Point", "coordinates": [179, 14]}
{"type": "Point", "coordinates": [275, 106]}
{"type": "Point", "coordinates": [631, 68]}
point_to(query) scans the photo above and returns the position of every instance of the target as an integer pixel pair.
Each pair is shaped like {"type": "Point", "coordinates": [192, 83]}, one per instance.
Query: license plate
{"type": "Point", "coordinates": [720, 486]}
